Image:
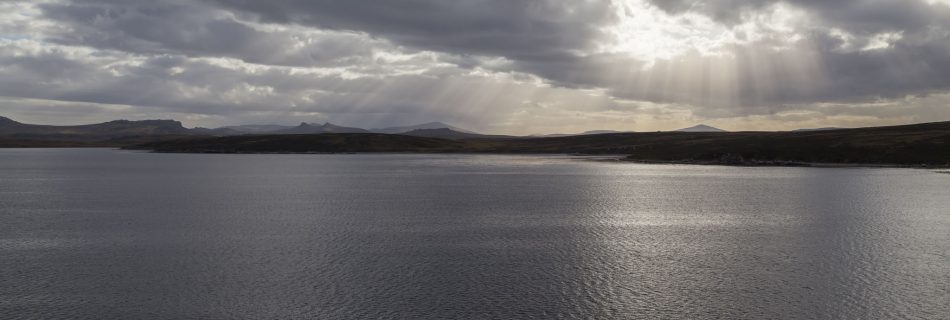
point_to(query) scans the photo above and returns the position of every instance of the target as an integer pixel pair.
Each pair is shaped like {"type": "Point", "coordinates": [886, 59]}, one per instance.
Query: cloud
{"type": "Point", "coordinates": [514, 29]}
{"type": "Point", "coordinates": [559, 41]}
{"type": "Point", "coordinates": [219, 91]}
{"type": "Point", "coordinates": [171, 27]}
{"type": "Point", "coordinates": [488, 64]}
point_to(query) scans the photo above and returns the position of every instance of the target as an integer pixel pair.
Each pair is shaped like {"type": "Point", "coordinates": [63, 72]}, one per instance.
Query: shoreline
{"type": "Point", "coordinates": [617, 158]}
{"type": "Point", "coordinates": [801, 164]}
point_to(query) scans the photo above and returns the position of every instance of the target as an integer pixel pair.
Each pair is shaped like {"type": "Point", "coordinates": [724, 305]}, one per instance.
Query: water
{"type": "Point", "coordinates": [101, 234]}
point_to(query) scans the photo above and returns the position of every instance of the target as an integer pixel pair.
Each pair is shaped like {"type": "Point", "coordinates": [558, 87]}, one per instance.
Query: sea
{"type": "Point", "coordinates": [113, 234]}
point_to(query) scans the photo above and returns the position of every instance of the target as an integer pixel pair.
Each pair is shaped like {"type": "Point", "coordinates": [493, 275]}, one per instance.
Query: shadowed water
{"type": "Point", "coordinates": [98, 234]}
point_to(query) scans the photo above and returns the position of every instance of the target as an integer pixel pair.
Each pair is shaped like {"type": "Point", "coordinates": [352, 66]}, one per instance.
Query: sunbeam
{"type": "Point", "coordinates": [652, 65]}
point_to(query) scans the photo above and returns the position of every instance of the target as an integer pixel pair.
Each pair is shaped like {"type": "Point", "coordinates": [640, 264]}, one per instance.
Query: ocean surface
{"type": "Point", "coordinates": [109, 234]}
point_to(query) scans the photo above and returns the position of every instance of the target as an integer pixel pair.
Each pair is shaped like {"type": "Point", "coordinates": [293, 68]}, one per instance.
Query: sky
{"type": "Point", "coordinates": [495, 66]}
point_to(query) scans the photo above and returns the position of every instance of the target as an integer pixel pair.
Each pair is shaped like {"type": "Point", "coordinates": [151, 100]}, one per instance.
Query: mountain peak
{"type": "Point", "coordinates": [701, 128]}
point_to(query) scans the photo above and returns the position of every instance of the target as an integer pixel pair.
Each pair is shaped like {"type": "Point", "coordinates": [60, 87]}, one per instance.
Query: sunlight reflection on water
{"type": "Point", "coordinates": [110, 234]}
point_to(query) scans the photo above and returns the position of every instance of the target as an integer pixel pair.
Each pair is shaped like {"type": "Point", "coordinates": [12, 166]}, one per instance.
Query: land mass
{"type": "Point", "coordinates": [908, 145]}
{"type": "Point", "coordinates": [116, 133]}
{"type": "Point", "coordinates": [119, 133]}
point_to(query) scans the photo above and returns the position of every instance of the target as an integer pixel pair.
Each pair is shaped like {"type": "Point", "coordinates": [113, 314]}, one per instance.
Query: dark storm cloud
{"type": "Point", "coordinates": [172, 83]}
{"type": "Point", "coordinates": [517, 29]}
{"type": "Point", "coordinates": [173, 27]}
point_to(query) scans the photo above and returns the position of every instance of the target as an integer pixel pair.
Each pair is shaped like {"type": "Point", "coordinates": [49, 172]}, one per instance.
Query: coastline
{"type": "Point", "coordinates": [604, 157]}
{"type": "Point", "coordinates": [803, 164]}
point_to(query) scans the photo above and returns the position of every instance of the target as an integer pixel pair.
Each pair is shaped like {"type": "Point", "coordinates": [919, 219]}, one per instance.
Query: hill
{"type": "Point", "coordinates": [112, 133]}
{"type": "Point", "coordinates": [113, 128]}
{"type": "Point", "coordinates": [900, 145]}
{"type": "Point", "coordinates": [424, 126]}
{"type": "Point", "coordinates": [589, 132]}
{"type": "Point", "coordinates": [817, 129]}
{"type": "Point", "coordinates": [255, 128]}
{"type": "Point", "coordinates": [701, 128]}
{"type": "Point", "coordinates": [306, 128]}
{"type": "Point", "coordinates": [446, 133]}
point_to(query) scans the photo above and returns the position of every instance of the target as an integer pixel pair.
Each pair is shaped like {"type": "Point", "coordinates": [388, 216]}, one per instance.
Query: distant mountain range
{"type": "Point", "coordinates": [112, 133]}
{"type": "Point", "coordinates": [431, 130]}
{"type": "Point", "coordinates": [312, 128]}
{"type": "Point", "coordinates": [918, 144]}
{"type": "Point", "coordinates": [111, 128]}
{"type": "Point", "coordinates": [125, 132]}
